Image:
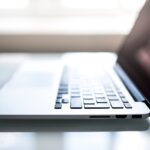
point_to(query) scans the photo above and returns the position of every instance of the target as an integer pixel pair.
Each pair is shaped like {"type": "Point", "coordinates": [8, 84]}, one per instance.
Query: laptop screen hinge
{"type": "Point", "coordinates": [137, 95]}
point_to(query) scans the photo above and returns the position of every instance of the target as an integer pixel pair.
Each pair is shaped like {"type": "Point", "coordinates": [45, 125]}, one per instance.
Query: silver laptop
{"type": "Point", "coordinates": [83, 85]}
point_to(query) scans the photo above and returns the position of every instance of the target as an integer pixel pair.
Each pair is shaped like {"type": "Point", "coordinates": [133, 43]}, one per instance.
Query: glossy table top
{"type": "Point", "coordinates": [74, 134]}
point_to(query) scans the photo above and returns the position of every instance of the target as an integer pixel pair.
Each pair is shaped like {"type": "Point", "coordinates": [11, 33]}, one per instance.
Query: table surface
{"type": "Point", "coordinates": [74, 134]}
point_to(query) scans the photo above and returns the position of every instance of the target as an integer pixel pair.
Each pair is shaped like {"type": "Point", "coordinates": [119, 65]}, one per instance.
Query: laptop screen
{"type": "Point", "coordinates": [134, 54]}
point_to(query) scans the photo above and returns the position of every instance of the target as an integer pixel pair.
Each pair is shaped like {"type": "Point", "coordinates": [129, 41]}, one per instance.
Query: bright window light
{"type": "Point", "coordinates": [68, 16]}
{"type": "Point", "coordinates": [84, 6]}
{"type": "Point", "coordinates": [103, 4]}
{"type": "Point", "coordinates": [133, 5]}
{"type": "Point", "coordinates": [13, 4]}
{"type": "Point", "coordinates": [90, 4]}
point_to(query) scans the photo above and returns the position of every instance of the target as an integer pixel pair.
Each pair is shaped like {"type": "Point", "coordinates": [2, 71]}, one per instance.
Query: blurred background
{"type": "Point", "coordinates": [65, 25]}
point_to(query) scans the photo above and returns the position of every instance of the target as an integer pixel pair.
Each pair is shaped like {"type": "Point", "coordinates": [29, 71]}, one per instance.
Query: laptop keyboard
{"type": "Point", "coordinates": [82, 91]}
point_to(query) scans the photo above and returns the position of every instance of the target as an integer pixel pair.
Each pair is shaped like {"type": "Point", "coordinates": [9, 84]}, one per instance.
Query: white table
{"type": "Point", "coordinates": [74, 134]}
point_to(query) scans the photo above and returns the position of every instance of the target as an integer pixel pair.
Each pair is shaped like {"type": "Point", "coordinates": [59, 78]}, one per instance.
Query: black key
{"type": "Point", "coordinates": [58, 106]}
{"type": "Point", "coordinates": [124, 100]}
{"type": "Point", "coordinates": [127, 105]}
{"type": "Point", "coordinates": [75, 103]}
{"type": "Point", "coordinates": [97, 106]}
{"type": "Point", "coordinates": [116, 104]}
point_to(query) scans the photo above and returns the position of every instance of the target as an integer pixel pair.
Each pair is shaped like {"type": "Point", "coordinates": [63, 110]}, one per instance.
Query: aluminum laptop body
{"type": "Point", "coordinates": [54, 89]}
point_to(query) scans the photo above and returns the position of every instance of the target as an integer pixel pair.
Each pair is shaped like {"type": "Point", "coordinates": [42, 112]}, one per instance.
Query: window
{"type": "Point", "coordinates": [74, 15]}
{"type": "Point", "coordinates": [69, 7]}
{"type": "Point", "coordinates": [67, 17]}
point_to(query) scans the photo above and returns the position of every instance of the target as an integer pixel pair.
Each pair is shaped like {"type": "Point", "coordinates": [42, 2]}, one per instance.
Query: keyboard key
{"type": "Point", "coordinates": [84, 94]}
{"type": "Point", "coordinates": [75, 95]}
{"type": "Point", "coordinates": [97, 93]}
{"type": "Point", "coordinates": [88, 91]}
{"type": "Point", "coordinates": [62, 92]}
{"type": "Point", "coordinates": [121, 95]}
{"type": "Point", "coordinates": [65, 98]}
{"type": "Point", "coordinates": [97, 106]}
{"type": "Point", "coordinates": [109, 90]}
{"type": "Point", "coordinates": [116, 104]}
{"type": "Point", "coordinates": [75, 103]}
{"type": "Point", "coordinates": [75, 86]}
{"type": "Point", "coordinates": [75, 90]}
{"type": "Point", "coordinates": [101, 100]}
{"type": "Point", "coordinates": [59, 96]}
{"type": "Point", "coordinates": [65, 101]}
{"type": "Point", "coordinates": [87, 97]}
{"type": "Point", "coordinates": [111, 94]}
{"type": "Point", "coordinates": [58, 106]}
{"type": "Point", "coordinates": [127, 105]}
{"type": "Point", "coordinates": [59, 100]}
{"type": "Point", "coordinates": [100, 95]}
{"type": "Point", "coordinates": [62, 88]}
{"type": "Point", "coordinates": [88, 101]}
{"type": "Point", "coordinates": [113, 98]}
{"type": "Point", "coordinates": [124, 100]}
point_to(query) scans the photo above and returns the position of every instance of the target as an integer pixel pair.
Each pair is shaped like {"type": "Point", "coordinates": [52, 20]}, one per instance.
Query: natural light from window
{"type": "Point", "coordinates": [85, 5]}
{"type": "Point", "coordinates": [68, 16]}
{"type": "Point", "coordinates": [13, 4]}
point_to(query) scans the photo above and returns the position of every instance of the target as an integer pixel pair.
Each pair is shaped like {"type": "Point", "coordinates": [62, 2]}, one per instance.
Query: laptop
{"type": "Point", "coordinates": [83, 85]}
